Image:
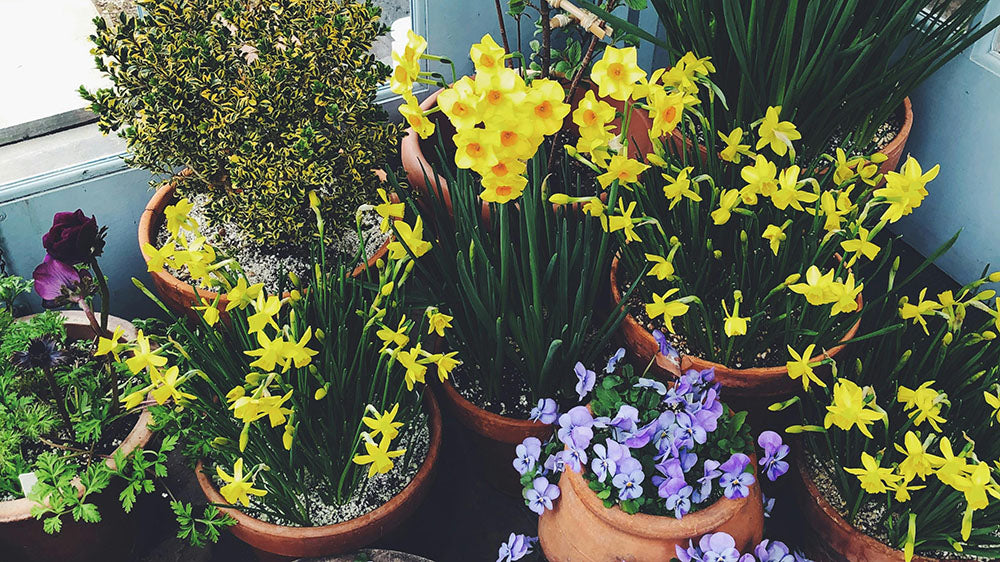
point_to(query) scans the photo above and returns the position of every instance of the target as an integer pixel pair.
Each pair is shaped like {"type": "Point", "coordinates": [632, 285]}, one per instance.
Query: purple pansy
{"type": "Point", "coordinates": [626, 419]}
{"type": "Point", "coordinates": [575, 458]}
{"type": "Point", "coordinates": [666, 349]}
{"type": "Point", "coordinates": [774, 451]}
{"type": "Point", "coordinates": [516, 548]}
{"type": "Point", "coordinates": [629, 484]}
{"type": "Point", "coordinates": [640, 438]}
{"type": "Point", "coordinates": [527, 454]}
{"type": "Point", "coordinates": [541, 494]}
{"type": "Point", "coordinates": [585, 380]}
{"type": "Point", "coordinates": [773, 551]}
{"type": "Point", "coordinates": [710, 473]}
{"type": "Point", "coordinates": [734, 480]}
{"type": "Point", "coordinates": [713, 547]}
{"type": "Point", "coordinates": [613, 360]}
{"type": "Point", "coordinates": [606, 459]}
{"type": "Point", "coordinates": [58, 282]}
{"type": "Point", "coordinates": [576, 427]}
{"type": "Point", "coordinates": [672, 479]}
{"type": "Point", "coordinates": [547, 411]}
{"type": "Point", "coordinates": [658, 386]}
{"type": "Point", "coordinates": [680, 501]}
{"type": "Point", "coordinates": [555, 463]}
{"type": "Point", "coordinates": [768, 506]}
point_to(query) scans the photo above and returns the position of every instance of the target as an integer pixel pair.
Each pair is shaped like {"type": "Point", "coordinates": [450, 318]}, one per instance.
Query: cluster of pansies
{"type": "Point", "coordinates": [720, 547]}
{"type": "Point", "coordinates": [494, 138]}
{"type": "Point", "coordinates": [647, 446]}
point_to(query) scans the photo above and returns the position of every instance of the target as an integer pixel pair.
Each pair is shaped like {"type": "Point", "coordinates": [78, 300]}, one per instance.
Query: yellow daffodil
{"type": "Point", "coordinates": [411, 111]}
{"type": "Point", "coordinates": [952, 469]}
{"type": "Point", "coordinates": [266, 307]}
{"type": "Point", "coordinates": [142, 356]}
{"type": "Point", "coordinates": [437, 321]}
{"type": "Point", "coordinates": [460, 104]}
{"type": "Point", "coordinates": [906, 190]}
{"type": "Point", "coordinates": [760, 178]}
{"type": "Point", "coordinates": [157, 259]}
{"type": "Point", "coordinates": [388, 210]}
{"type": "Point", "coordinates": [917, 311]}
{"type": "Point", "coordinates": [662, 268]}
{"type": "Point", "coordinates": [993, 401]}
{"type": "Point", "coordinates": [445, 363]}
{"type": "Point", "coordinates": [735, 325]}
{"type": "Point", "coordinates": [592, 114]}
{"type": "Point", "coordinates": [844, 169]}
{"type": "Point", "coordinates": [503, 172]}
{"type": "Point", "coordinates": [166, 386]}
{"type": "Point", "coordinates": [873, 478]}
{"type": "Point", "coordinates": [775, 235]}
{"type": "Point", "coordinates": [614, 223]}
{"type": "Point", "coordinates": [288, 436]}
{"type": "Point", "coordinates": [617, 73]}
{"type": "Point", "coordinates": [407, 63]}
{"type": "Point", "coordinates": [415, 370]}
{"type": "Point", "coordinates": [270, 353]}
{"type": "Point", "coordinates": [800, 368]}
{"type": "Point", "coordinates": [112, 345]}
{"type": "Point", "coordinates": [818, 288]}
{"type": "Point", "coordinates": [296, 353]}
{"type": "Point", "coordinates": [177, 217]}
{"type": "Point", "coordinates": [273, 408]}
{"type": "Point", "coordinates": [397, 337]}
{"type": "Point", "coordinates": [409, 238]}
{"type": "Point", "coordinates": [925, 402]}
{"type": "Point", "coordinates": [788, 192]}
{"type": "Point", "coordinates": [239, 487]}
{"type": "Point", "coordinates": [734, 151]}
{"type": "Point", "coordinates": [849, 409]}
{"type": "Point", "coordinates": [209, 313]}
{"type": "Point", "coordinates": [902, 489]}
{"type": "Point", "coordinates": [779, 134]}
{"type": "Point", "coordinates": [860, 246]}
{"type": "Point", "coordinates": [241, 295]}
{"type": "Point", "coordinates": [501, 92]}
{"type": "Point", "coordinates": [666, 110]}
{"type": "Point", "coordinates": [475, 149]}
{"type": "Point", "coordinates": [136, 398]}
{"type": "Point", "coordinates": [845, 296]}
{"type": "Point", "coordinates": [502, 190]}
{"type": "Point", "coordinates": [831, 212]}
{"type": "Point", "coordinates": [384, 423]}
{"type": "Point", "coordinates": [918, 462]}
{"type": "Point", "coordinates": [486, 55]}
{"type": "Point", "coordinates": [623, 169]}
{"type": "Point", "coordinates": [513, 141]}
{"type": "Point", "coordinates": [668, 309]}
{"type": "Point", "coordinates": [728, 201]}
{"type": "Point", "coordinates": [545, 99]}
{"type": "Point", "coordinates": [679, 187]}
{"type": "Point", "coordinates": [378, 457]}
{"type": "Point", "coordinates": [594, 207]}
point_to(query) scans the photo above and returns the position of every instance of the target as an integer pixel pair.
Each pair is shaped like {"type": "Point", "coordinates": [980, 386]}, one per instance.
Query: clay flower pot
{"type": "Point", "coordinates": [21, 535]}
{"type": "Point", "coordinates": [829, 538]}
{"type": "Point", "coordinates": [580, 529]}
{"type": "Point", "coordinates": [893, 150]}
{"type": "Point", "coordinates": [494, 437]}
{"type": "Point", "coordinates": [178, 295]}
{"type": "Point", "coordinates": [281, 542]}
{"type": "Point", "coordinates": [757, 382]}
{"type": "Point", "coordinates": [420, 156]}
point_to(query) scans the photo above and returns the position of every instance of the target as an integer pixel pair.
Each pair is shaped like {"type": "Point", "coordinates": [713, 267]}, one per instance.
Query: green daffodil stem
{"type": "Point", "coordinates": [102, 285]}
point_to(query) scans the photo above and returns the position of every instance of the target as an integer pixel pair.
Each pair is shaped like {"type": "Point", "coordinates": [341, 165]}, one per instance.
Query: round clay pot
{"type": "Point", "coordinates": [828, 537]}
{"type": "Point", "coordinates": [758, 382]}
{"type": "Point", "coordinates": [178, 295]}
{"type": "Point", "coordinates": [21, 535]}
{"type": "Point", "coordinates": [273, 541]}
{"type": "Point", "coordinates": [377, 555]}
{"type": "Point", "coordinates": [494, 437]}
{"type": "Point", "coordinates": [580, 529]}
{"type": "Point", "coordinates": [420, 156]}
{"type": "Point", "coordinates": [893, 150]}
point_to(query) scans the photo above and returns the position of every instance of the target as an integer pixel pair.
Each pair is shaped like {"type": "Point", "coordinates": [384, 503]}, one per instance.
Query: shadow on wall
{"type": "Point", "coordinates": [106, 188]}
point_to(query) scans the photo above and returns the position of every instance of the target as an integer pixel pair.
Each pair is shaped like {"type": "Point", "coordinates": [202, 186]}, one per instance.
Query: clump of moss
{"type": "Point", "coordinates": [262, 101]}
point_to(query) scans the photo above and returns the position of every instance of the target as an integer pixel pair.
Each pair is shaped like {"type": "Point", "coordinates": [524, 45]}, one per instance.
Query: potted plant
{"type": "Point", "coordinates": [306, 416]}
{"type": "Point", "coordinates": [568, 44]}
{"type": "Point", "coordinates": [71, 459]}
{"type": "Point", "coordinates": [258, 104]}
{"type": "Point", "coordinates": [841, 72]}
{"type": "Point", "coordinates": [520, 280]}
{"type": "Point", "coordinates": [751, 264]}
{"type": "Point", "coordinates": [644, 467]}
{"type": "Point", "coordinates": [898, 451]}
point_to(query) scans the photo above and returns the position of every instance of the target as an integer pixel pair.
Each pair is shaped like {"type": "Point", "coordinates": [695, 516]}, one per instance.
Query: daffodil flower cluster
{"type": "Point", "coordinates": [913, 422]}
{"type": "Point", "coordinates": [185, 248]}
{"type": "Point", "coordinates": [304, 392]}
{"type": "Point", "coordinates": [500, 118]}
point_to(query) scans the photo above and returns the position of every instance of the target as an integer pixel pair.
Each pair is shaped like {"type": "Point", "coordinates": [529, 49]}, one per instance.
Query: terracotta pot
{"type": "Point", "coordinates": [893, 150]}
{"type": "Point", "coordinates": [281, 542]}
{"type": "Point", "coordinates": [828, 537]}
{"type": "Point", "coordinates": [178, 295]}
{"type": "Point", "coordinates": [758, 382]}
{"type": "Point", "coordinates": [21, 535]}
{"type": "Point", "coordinates": [581, 529]}
{"type": "Point", "coordinates": [378, 555]}
{"type": "Point", "coordinates": [494, 437]}
{"type": "Point", "coordinates": [420, 159]}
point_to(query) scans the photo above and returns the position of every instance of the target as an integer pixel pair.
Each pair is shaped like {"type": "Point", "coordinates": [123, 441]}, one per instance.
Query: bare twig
{"type": "Point", "coordinates": [584, 63]}
{"type": "Point", "coordinates": [503, 31]}
{"type": "Point", "coordinates": [546, 38]}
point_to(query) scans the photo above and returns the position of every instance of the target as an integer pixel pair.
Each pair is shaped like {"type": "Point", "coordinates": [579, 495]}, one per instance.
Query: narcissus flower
{"type": "Point", "coordinates": [845, 296]}
{"type": "Point", "coordinates": [679, 187]}
{"type": "Point", "coordinates": [112, 345]}
{"type": "Point", "coordinates": [142, 356]}
{"type": "Point", "coordinates": [242, 295]}
{"type": "Point", "coordinates": [592, 113]}
{"type": "Point", "coordinates": [735, 324]}
{"type": "Point", "coordinates": [662, 268]}
{"type": "Point", "coordinates": [925, 402]}
{"type": "Point", "coordinates": [849, 408]}
{"type": "Point", "coordinates": [760, 178]}
{"type": "Point", "coordinates": [728, 201]}
{"type": "Point", "coordinates": [502, 190]}
{"type": "Point", "coordinates": [775, 235]}
{"type": "Point", "coordinates": [460, 104]}
{"type": "Point", "coordinates": [476, 149]}
{"type": "Point", "coordinates": [501, 92]}
{"type": "Point", "coordinates": [486, 55]}
{"type": "Point", "coordinates": [415, 117]}
{"type": "Point", "coordinates": [177, 217]}
{"type": "Point", "coordinates": [779, 134]}
{"type": "Point", "coordinates": [437, 321]}
{"type": "Point", "coordinates": [409, 238]}
{"type": "Point", "coordinates": [818, 288]}
{"type": "Point", "coordinates": [668, 309]}
{"type": "Point", "coordinates": [874, 479]}
{"type": "Point", "coordinates": [918, 462]}
{"type": "Point", "coordinates": [623, 169]}
{"type": "Point", "coordinates": [917, 311]}
{"type": "Point", "coordinates": [384, 423]}
{"type": "Point", "coordinates": [906, 190]}
{"type": "Point", "coordinates": [157, 259]}
{"type": "Point", "coordinates": [166, 386]}
{"type": "Point", "coordinates": [617, 73]}
{"type": "Point", "coordinates": [378, 457]}
{"type": "Point", "coordinates": [397, 337]}
{"type": "Point", "coordinates": [666, 110]}
{"type": "Point", "coordinates": [388, 210]}
{"type": "Point", "coordinates": [614, 223]}
{"type": "Point", "coordinates": [860, 246]}
{"type": "Point", "coordinates": [733, 151]}
{"type": "Point", "coordinates": [788, 193]}
{"type": "Point", "coordinates": [801, 368]}
{"type": "Point", "coordinates": [239, 487]}
{"type": "Point", "coordinates": [266, 308]}
{"type": "Point", "coordinates": [548, 110]}
{"type": "Point", "coordinates": [993, 401]}
{"type": "Point", "coordinates": [415, 370]}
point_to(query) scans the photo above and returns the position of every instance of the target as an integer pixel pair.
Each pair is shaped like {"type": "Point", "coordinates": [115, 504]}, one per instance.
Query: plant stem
{"type": "Point", "coordinates": [102, 284]}
{"type": "Point", "coordinates": [546, 38]}
{"type": "Point", "coordinates": [58, 396]}
{"type": "Point", "coordinates": [113, 373]}
{"type": "Point", "coordinates": [503, 30]}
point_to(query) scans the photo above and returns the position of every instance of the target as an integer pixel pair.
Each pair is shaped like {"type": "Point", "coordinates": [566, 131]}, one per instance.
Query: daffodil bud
{"type": "Point", "coordinates": [903, 359]}
{"type": "Point", "coordinates": [879, 157]}
{"type": "Point", "coordinates": [253, 378]}
{"type": "Point", "coordinates": [295, 295]}
{"type": "Point", "coordinates": [985, 295]}
{"type": "Point", "coordinates": [313, 200]}
{"type": "Point", "coordinates": [675, 241]}
{"type": "Point", "coordinates": [738, 295]}
{"type": "Point", "coordinates": [792, 279]}
{"type": "Point", "coordinates": [947, 339]}
{"type": "Point", "coordinates": [708, 244]}
{"type": "Point", "coordinates": [779, 406]}
{"type": "Point", "coordinates": [379, 263]}
{"type": "Point", "coordinates": [387, 289]}
{"type": "Point", "coordinates": [560, 199]}
{"type": "Point", "coordinates": [244, 437]}
{"type": "Point", "coordinates": [988, 335]}
{"type": "Point", "coordinates": [294, 279]}
{"type": "Point", "coordinates": [717, 254]}
{"type": "Point", "coordinates": [220, 442]}
{"type": "Point", "coordinates": [795, 429]}
{"type": "Point", "coordinates": [994, 277]}
{"type": "Point", "coordinates": [320, 334]}
{"type": "Point", "coordinates": [895, 264]}
{"type": "Point", "coordinates": [409, 267]}
{"type": "Point", "coordinates": [571, 150]}
{"type": "Point", "coordinates": [321, 392]}
{"type": "Point", "coordinates": [313, 369]}
{"type": "Point", "coordinates": [656, 160]}
{"type": "Point", "coordinates": [743, 236]}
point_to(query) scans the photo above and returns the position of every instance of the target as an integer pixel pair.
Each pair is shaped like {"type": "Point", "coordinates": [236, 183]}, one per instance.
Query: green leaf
{"type": "Point", "coordinates": [52, 525]}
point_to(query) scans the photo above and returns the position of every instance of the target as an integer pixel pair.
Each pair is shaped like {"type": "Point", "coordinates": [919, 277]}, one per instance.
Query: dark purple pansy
{"type": "Point", "coordinates": [74, 238]}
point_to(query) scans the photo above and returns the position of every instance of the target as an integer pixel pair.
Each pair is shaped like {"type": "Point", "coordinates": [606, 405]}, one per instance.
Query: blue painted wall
{"type": "Point", "coordinates": [106, 188]}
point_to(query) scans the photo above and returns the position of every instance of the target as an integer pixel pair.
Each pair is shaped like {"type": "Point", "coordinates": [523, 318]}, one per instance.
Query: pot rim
{"type": "Point", "coordinates": [20, 509]}
{"type": "Point", "coordinates": [658, 526]}
{"type": "Point", "coordinates": [375, 517]}
{"type": "Point", "coordinates": [494, 426]}
{"type": "Point", "coordinates": [817, 506]}
{"type": "Point", "coordinates": [692, 362]}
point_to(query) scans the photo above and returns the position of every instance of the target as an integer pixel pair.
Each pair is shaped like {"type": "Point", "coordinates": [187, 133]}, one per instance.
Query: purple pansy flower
{"type": "Point", "coordinates": [672, 479]}
{"type": "Point", "coordinates": [640, 438]}
{"type": "Point", "coordinates": [768, 506]}
{"type": "Point", "coordinates": [680, 501]}
{"type": "Point", "coordinates": [626, 419]}
{"type": "Point", "coordinates": [658, 386]}
{"type": "Point", "coordinates": [613, 360]}
{"type": "Point", "coordinates": [585, 380]}
{"type": "Point", "coordinates": [528, 453]}
{"type": "Point", "coordinates": [666, 349]}
{"type": "Point", "coordinates": [773, 551]}
{"type": "Point", "coordinates": [713, 547]}
{"type": "Point", "coordinates": [606, 459]}
{"type": "Point", "coordinates": [575, 458]}
{"type": "Point", "coordinates": [516, 548]}
{"type": "Point", "coordinates": [629, 484]}
{"type": "Point", "coordinates": [555, 463]}
{"type": "Point", "coordinates": [774, 451]}
{"type": "Point", "coordinates": [692, 428]}
{"type": "Point", "coordinates": [547, 411]}
{"type": "Point", "coordinates": [711, 472]}
{"type": "Point", "coordinates": [541, 494]}
{"type": "Point", "coordinates": [576, 427]}
{"type": "Point", "coordinates": [734, 480]}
